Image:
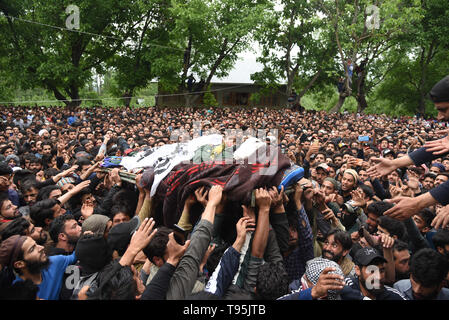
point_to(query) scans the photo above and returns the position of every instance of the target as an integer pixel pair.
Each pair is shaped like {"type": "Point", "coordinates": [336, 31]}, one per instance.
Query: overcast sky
{"type": "Point", "coordinates": [244, 67]}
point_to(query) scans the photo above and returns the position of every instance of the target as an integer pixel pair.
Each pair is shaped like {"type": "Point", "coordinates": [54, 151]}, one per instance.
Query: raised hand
{"type": "Point", "coordinates": [142, 237]}
{"type": "Point", "coordinates": [201, 195]}
{"type": "Point", "coordinates": [174, 250]}
{"type": "Point", "coordinates": [327, 281]}
{"type": "Point", "coordinates": [263, 199]}
{"type": "Point", "coordinates": [277, 199]}
{"type": "Point", "coordinates": [383, 167]}
{"type": "Point", "coordinates": [442, 218]}
{"type": "Point", "coordinates": [439, 146]}
{"type": "Point", "coordinates": [215, 195]}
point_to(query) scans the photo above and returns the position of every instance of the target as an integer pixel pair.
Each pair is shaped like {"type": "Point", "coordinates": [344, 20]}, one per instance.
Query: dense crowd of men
{"type": "Point", "coordinates": [368, 220]}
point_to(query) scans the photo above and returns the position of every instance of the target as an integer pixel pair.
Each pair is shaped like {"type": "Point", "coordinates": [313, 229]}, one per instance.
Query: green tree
{"type": "Point", "coordinates": [212, 34]}
{"type": "Point", "coordinates": [364, 35]}
{"type": "Point", "coordinates": [296, 49]}
{"type": "Point", "coordinates": [41, 53]}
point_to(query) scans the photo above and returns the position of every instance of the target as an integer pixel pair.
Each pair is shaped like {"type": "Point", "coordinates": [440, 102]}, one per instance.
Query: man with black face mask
{"type": "Point", "coordinates": [428, 271]}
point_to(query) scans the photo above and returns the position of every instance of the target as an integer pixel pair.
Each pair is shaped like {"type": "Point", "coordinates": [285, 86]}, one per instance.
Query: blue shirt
{"type": "Point", "coordinates": [52, 276]}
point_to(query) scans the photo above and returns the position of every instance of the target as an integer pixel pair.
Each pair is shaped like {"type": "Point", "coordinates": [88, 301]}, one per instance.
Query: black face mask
{"type": "Point", "coordinates": [348, 220]}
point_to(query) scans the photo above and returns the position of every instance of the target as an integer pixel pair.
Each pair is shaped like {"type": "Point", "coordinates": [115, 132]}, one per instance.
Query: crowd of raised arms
{"type": "Point", "coordinates": [372, 201]}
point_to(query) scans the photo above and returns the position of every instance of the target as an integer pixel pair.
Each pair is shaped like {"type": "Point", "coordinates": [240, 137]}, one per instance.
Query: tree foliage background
{"type": "Point", "coordinates": [304, 47]}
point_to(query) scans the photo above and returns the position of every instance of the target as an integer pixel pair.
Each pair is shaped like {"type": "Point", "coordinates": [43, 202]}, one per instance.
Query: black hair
{"type": "Point", "coordinates": [42, 210]}
{"type": "Point", "coordinates": [400, 245]}
{"type": "Point", "coordinates": [157, 245]}
{"type": "Point", "coordinates": [393, 226]}
{"type": "Point", "coordinates": [5, 169]}
{"type": "Point", "coordinates": [120, 208]}
{"type": "Point", "coordinates": [441, 238]}
{"type": "Point", "coordinates": [272, 281]}
{"type": "Point", "coordinates": [50, 172]}
{"type": "Point", "coordinates": [83, 161]}
{"type": "Point", "coordinates": [427, 215]}
{"type": "Point", "coordinates": [28, 184]}
{"type": "Point", "coordinates": [379, 207]}
{"type": "Point", "coordinates": [57, 226]}
{"type": "Point", "coordinates": [341, 237]}
{"type": "Point", "coordinates": [428, 267]}
{"type": "Point", "coordinates": [44, 193]}
{"type": "Point", "coordinates": [367, 190]}
{"type": "Point", "coordinates": [17, 226]}
{"type": "Point", "coordinates": [22, 175]}
{"type": "Point", "coordinates": [35, 160]}
{"type": "Point", "coordinates": [115, 282]}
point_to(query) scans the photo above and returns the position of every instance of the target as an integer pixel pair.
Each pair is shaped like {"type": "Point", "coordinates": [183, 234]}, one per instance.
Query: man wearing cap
{"type": "Point", "coordinates": [370, 277]}
{"type": "Point", "coordinates": [322, 172]}
{"type": "Point", "coordinates": [406, 207]}
{"type": "Point", "coordinates": [437, 168]}
{"type": "Point", "coordinates": [348, 184]}
{"type": "Point", "coordinates": [30, 262]}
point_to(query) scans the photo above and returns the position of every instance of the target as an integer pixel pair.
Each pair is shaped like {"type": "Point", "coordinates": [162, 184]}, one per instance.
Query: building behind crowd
{"type": "Point", "coordinates": [227, 94]}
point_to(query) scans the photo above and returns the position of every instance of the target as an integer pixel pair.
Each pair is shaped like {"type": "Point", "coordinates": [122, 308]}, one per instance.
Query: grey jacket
{"type": "Point", "coordinates": [186, 274]}
{"type": "Point", "coordinates": [405, 287]}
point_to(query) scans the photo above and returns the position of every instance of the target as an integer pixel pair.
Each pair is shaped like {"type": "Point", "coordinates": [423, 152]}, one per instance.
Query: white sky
{"type": "Point", "coordinates": [243, 68]}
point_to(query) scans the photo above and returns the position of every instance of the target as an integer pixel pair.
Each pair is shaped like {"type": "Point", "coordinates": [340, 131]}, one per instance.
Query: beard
{"type": "Point", "coordinates": [72, 240]}
{"type": "Point", "coordinates": [402, 275]}
{"type": "Point", "coordinates": [35, 267]}
{"type": "Point", "coordinates": [431, 296]}
{"type": "Point", "coordinates": [42, 239]}
{"type": "Point", "coordinates": [331, 256]}
{"type": "Point", "coordinates": [373, 291]}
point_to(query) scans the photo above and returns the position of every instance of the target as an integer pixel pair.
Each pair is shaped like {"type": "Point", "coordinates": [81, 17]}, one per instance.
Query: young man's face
{"type": "Point", "coordinates": [58, 210]}
{"type": "Point", "coordinates": [9, 210]}
{"type": "Point", "coordinates": [373, 282]}
{"type": "Point", "coordinates": [333, 250]}
{"type": "Point", "coordinates": [35, 167]}
{"type": "Point", "coordinates": [428, 183]}
{"type": "Point", "coordinates": [424, 293]}
{"type": "Point", "coordinates": [363, 175]}
{"type": "Point", "coordinates": [347, 182]}
{"type": "Point", "coordinates": [338, 161]}
{"type": "Point", "coordinates": [37, 234]}
{"type": "Point", "coordinates": [440, 179]}
{"type": "Point", "coordinates": [401, 261]}
{"type": "Point", "coordinates": [119, 218]}
{"type": "Point", "coordinates": [371, 222]}
{"type": "Point", "coordinates": [34, 257]}
{"type": "Point", "coordinates": [320, 175]}
{"type": "Point", "coordinates": [328, 188]}
{"type": "Point", "coordinates": [55, 194]}
{"type": "Point", "coordinates": [420, 223]}
{"type": "Point", "coordinates": [443, 111]}
{"type": "Point", "coordinates": [72, 230]}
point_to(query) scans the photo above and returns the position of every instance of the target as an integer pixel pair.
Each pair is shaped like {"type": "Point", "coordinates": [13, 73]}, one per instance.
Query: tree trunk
{"type": "Point", "coordinates": [422, 103]}
{"type": "Point", "coordinates": [127, 97]}
{"type": "Point", "coordinates": [339, 104]}
{"type": "Point", "coordinates": [362, 104]}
